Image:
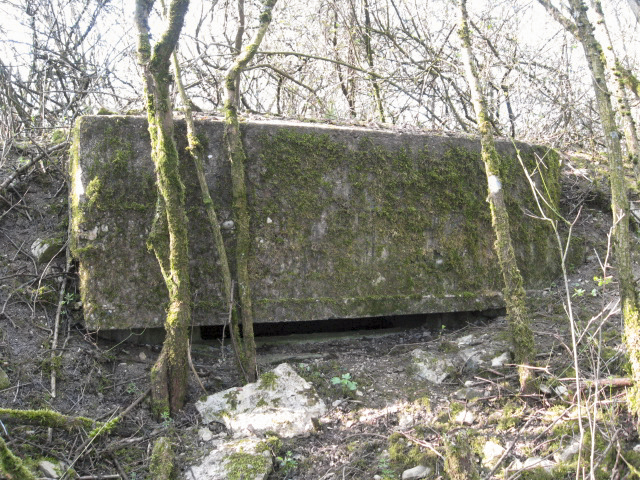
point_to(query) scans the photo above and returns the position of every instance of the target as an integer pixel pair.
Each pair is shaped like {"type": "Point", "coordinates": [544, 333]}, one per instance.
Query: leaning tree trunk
{"type": "Point", "coordinates": [619, 91]}
{"type": "Point", "coordinates": [514, 294]}
{"type": "Point", "coordinates": [246, 344]}
{"type": "Point", "coordinates": [582, 29]}
{"type": "Point", "coordinates": [169, 232]}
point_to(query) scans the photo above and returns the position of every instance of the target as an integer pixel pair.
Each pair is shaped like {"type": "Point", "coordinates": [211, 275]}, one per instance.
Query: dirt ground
{"type": "Point", "coordinates": [391, 422]}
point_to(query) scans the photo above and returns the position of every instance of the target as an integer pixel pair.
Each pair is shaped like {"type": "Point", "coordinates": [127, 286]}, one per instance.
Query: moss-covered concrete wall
{"type": "Point", "coordinates": [346, 222]}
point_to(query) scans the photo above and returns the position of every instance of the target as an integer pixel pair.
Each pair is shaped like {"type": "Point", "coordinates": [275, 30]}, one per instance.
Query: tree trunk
{"type": "Point", "coordinates": [619, 91]}
{"type": "Point", "coordinates": [237, 157]}
{"type": "Point", "coordinates": [169, 233]}
{"type": "Point", "coordinates": [583, 31]}
{"type": "Point", "coordinates": [369, 52]}
{"type": "Point", "coordinates": [635, 8]}
{"type": "Point", "coordinates": [514, 294]}
{"type": "Point", "coordinates": [12, 465]}
{"type": "Point", "coordinates": [459, 462]}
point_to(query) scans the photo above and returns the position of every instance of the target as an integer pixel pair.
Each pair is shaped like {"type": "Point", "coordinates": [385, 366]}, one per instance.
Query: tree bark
{"type": "Point", "coordinates": [582, 29]}
{"type": "Point", "coordinates": [459, 461]}
{"type": "Point", "coordinates": [237, 157]}
{"type": "Point", "coordinates": [514, 294]}
{"type": "Point", "coordinates": [619, 91]}
{"type": "Point", "coordinates": [169, 233]}
{"type": "Point", "coordinates": [369, 52]}
{"type": "Point", "coordinates": [13, 465]}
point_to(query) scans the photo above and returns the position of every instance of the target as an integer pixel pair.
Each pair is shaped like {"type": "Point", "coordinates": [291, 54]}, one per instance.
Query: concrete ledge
{"type": "Point", "coordinates": [346, 222]}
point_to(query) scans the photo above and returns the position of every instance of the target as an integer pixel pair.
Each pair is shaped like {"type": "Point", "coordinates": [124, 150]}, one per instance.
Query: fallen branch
{"type": "Point", "coordinates": [45, 418]}
{"type": "Point", "coordinates": [32, 162]}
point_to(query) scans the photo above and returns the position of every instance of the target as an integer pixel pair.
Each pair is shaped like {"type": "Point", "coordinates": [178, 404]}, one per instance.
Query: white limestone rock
{"type": "Point", "coordinates": [281, 402]}
{"type": "Point", "coordinates": [501, 360]}
{"type": "Point", "coordinates": [49, 469]}
{"type": "Point", "coordinates": [205, 434]}
{"type": "Point", "coordinates": [434, 369]}
{"type": "Point", "coordinates": [491, 453]}
{"type": "Point", "coordinates": [416, 472]}
{"type": "Point", "coordinates": [232, 460]}
{"type": "Point", "coordinates": [568, 452]}
{"type": "Point", "coordinates": [465, 417]}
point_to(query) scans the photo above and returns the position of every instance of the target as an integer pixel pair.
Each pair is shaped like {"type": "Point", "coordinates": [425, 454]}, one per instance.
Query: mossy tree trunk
{"type": "Point", "coordinates": [246, 345]}
{"type": "Point", "coordinates": [582, 29]}
{"type": "Point", "coordinates": [459, 461]}
{"type": "Point", "coordinates": [196, 150]}
{"type": "Point", "coordinates": [162, 460]}
{"type": "Point", "coordinates": [169, 232]}
{"type": "Point", "coordinates": [12, 465]}
{"type": "Point", "coordinates": [514, 294]}
{"type": "Point", "coordinates": [619, 91]}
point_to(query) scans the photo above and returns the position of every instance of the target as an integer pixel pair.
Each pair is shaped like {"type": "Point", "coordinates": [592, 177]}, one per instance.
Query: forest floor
{"type": "Point", "coordinates": [391, 422]}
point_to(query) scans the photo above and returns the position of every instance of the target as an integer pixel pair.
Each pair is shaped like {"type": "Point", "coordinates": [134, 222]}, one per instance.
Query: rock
{"type": "Point", "coordinates": [234, 459]}
{"type": "Point", "coordinates": [470, 359]}
{"type": "Point", "coordinates": [501, 360]}
{"type": "Point", "coordinates": [49, 469]}
{"type": "Point", "coordinates": [537, 462]}
{"type": "Point", "coordinates": [561, 391]}
{"type": "Point", "coordinates": [465, 417]}
{"type": "Point", "coordinates": [466, 340]}
{"type": "Point", "coordinates": [281, 402]}
{"type": "Point", "coordinates": [431, 368]}
{"type": "Point", "coordinates": [44, 250]}
{"type": "Point", "coordinates": [637, 448]}
{"type": "Point", "coordinates": [406, 420]}
{"type": "Point", "coordinates": [468, 393]}
{"type": "Point", "coordinates": [546, 389]}
{"type": "Point", "coordinates": [337, 403]}
{"type": "Point", "coordinates": [416, 472]}
{"type": "Point", "coordinates": [491, 453]}
{"type": "Point", "coordinates": [377, 477]}
{"type": "Point", "coordinates": [4, 380]}
{"type": "Point", "coordinates": [205, 434]}
{"type": "Point", "coordinates": [228, 225]}
{"type": "Point", "coordinates": [568, 452]}
{"type": "Point", "coordinates": [142, 356]}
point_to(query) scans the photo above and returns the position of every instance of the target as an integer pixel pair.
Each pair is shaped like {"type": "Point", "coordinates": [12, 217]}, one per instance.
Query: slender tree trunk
{"type": "Point", "coordinates": [196, 151]}
{"type": "Point", "coordinates": [237, 157]}
{"type": "Point", "coordinates": [369, 52]}
{"type": "Point", "coordinates": [169, 232]}
{"type": "Point", "coordinates": [634, 5]}
{"type": "Point", "coordinates": [619, 91]}
{"type": "Point", "coordinates": [583, 31]}
{"type": "Point", "coordinates": [514, 294]}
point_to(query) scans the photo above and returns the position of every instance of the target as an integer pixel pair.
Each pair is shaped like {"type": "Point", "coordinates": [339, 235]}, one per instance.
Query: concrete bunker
{"type": "Point", "coordinates": [347, 223]}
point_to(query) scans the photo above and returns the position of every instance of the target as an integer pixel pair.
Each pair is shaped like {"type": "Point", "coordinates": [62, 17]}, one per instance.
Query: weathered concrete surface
{"type": "Point", "coordinates": [346, 222]}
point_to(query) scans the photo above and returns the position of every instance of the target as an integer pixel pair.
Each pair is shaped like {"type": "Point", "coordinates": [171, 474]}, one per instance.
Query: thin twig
{"type": "Point", "coordinates": [193, 369]}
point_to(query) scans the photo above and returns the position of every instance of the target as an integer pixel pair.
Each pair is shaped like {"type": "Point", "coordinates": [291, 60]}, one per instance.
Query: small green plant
{"type": "Point", "coordinates": [385, 468]}
{"type": "Point", "coordinates": [132, 388]}
{"type": "Point", "coordinates": [602, 281]}
{"type": "Point", "coordinates": [69, 298]}
{"type": "Point", "coordinates": [345, 381]}
{"type": "Point", "coordinates": [287, 463]}
{"type": "Point", "coordinates": [268, 381]}
{"type": "Point", "coordinates": [165, 416]}
{"type": "Point", "coordinates": [578, 292]}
